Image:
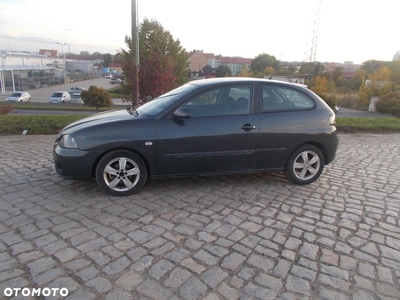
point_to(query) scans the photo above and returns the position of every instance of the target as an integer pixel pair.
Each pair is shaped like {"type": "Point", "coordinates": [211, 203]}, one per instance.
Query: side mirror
{"type": "Point", "coordinates": [181, 113]}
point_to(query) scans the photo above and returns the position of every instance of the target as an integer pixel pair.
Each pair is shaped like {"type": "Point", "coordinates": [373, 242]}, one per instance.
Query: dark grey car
{"type": "Point", "coordinates": [211, 126]}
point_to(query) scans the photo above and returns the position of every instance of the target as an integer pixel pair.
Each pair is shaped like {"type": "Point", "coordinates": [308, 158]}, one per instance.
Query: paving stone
{"type": "Point", "coordinates": [233, 261]}
{"type": "Point", "coordinates": [129, 280]}
{"type": "Point", "coordinates": [116, 266]}
{"type": "Point", "coordinates": [159, 269]}
{"type": "Point", "coordinates": [245, 237]}
{"type": "Point", "coordinates": [192, 289]}
{"type": "Point", "coordinates": [177, 277]}
{"type": "Point", "coordinates": [153, 290]}
{"type": "Point", "coordinates": [214, 276]}
{"type": "Point", "coordinates": [259, 292]}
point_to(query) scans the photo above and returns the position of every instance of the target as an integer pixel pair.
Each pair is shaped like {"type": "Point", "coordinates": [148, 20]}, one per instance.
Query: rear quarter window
{"type": "Point", "coordinates": [282, 98]}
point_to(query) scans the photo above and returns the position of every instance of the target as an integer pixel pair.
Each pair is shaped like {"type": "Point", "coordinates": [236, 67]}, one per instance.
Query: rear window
{"type": "Point", "coordinates": [279, 98]}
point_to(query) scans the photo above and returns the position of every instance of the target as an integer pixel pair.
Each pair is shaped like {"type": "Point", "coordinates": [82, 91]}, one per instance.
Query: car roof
{"type": "Point", "coordinates": [211, 81]}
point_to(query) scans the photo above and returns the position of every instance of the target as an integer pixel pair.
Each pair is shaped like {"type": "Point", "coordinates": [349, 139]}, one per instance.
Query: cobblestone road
{"type": "Point", "coordinates": [227, 237]}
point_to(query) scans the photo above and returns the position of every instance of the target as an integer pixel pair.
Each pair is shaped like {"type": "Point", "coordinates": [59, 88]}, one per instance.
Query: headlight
{"type": "Point", "coordinates": [68, 141]}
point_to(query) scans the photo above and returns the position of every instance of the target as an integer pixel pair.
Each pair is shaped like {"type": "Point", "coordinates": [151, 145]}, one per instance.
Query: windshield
{"type": "Point", "coordinates": [164, 101]}
{"type": "Point", "coordinates": [15, 95]}
{"type": "Point", "coordinates": [57, 95]}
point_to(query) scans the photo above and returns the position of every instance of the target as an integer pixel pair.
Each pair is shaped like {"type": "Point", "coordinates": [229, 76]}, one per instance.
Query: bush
{"type": "Point", "coordinates": [5, 109]}
{"type": "Point", "coordinates": [35, 124]}
{"type": "Point", "coordinates": [96, 97]}
{"type": "Point", "coordinates": [389, 104]}
{"type": "Point", "coordinates": [330, 100]}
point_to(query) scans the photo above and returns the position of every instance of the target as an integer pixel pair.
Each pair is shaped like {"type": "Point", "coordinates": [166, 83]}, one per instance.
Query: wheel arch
{"type": "Point", "coordinates": [315, 144]}
{"type": "Point", "coordinates": [96, 162]}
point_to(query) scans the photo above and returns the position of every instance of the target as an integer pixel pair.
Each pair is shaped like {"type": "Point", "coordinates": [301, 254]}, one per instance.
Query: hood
{"type": "Point", "coordinates": [99, 119]}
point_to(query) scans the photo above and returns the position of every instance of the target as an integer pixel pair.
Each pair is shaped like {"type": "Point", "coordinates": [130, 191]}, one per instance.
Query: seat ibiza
{"type": "Point", "coordinates": [205, 127]}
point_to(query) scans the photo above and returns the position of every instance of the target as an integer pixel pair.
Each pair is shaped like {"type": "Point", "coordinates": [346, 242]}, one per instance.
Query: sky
{"type": "Point", "coordinates": [349, 30]}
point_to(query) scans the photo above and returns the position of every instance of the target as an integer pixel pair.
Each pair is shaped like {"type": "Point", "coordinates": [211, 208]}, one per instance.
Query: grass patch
{"type": "Point", "coordinates": [375, 125]}
{"type": "Point", "coordinates": [36, 124]}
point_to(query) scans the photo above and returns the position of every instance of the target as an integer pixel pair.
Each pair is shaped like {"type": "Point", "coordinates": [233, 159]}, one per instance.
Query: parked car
{"type": "Point", "coordinates": [115, 80]}
{"type": "Point", "coordinates": [76, 98]}
{"type": "Point", "coordinates": [108, 76]}
{"type": "Point", "coordinates": [60, 97]}
{"type": "Point", "coordinates": [207, 127]}
{"type": "Point", "coordinates": [19, 97]}
{"type": "Point", "coordinates": [76, 90]}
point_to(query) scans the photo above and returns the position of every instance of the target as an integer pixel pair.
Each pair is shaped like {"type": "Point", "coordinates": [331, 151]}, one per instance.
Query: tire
{"type": "Point", "coordinates": [121, 173]}
{"type": "Point", "coordinates": [305, 165]}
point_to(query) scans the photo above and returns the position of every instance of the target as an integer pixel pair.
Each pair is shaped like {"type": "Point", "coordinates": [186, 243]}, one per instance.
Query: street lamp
{"type": "Point", "coordinates": [65, 71]}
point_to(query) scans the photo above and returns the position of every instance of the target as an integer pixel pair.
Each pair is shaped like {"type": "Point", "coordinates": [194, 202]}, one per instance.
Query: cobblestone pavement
{"type": "Point", "coordinates": [227, 237]}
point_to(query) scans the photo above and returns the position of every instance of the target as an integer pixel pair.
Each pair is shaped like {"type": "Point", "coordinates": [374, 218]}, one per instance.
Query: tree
{"type": "Point", "coordinates": [269, 71]}
{"type": "Point", "coordinates": [107, 59]}
{"type": "Point", "coordinates": [96, 97]}
{"type": "Point", "coordinates": [163, 61]}
{"type": "Point", "coordinates": [378, 85]}
{"type": "Point", "coordinates": [263, 60]}
{"type": "Point", "coordinates": [245, 72]}
{"type": "Point", "coordinates": [223, 71]}
{"type": "Point", "coordinates": [319, 84]}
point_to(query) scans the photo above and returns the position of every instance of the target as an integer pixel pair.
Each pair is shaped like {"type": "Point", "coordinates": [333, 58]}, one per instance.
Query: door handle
{"type": "Point", "coordinates": [248, 127]}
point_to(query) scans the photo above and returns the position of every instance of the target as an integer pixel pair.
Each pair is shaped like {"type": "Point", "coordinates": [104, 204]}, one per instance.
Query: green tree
{"type": "Point", "coordinates": [245, 72]}
{"type": "Point", "coordinates": [107, 58]}
{"type": "Point", "coordinates": [378, 85]}
{"type": "Point", "coordinates": [395, 71]}
{"type": "Point", "coordinates": [263, 60]}
{"type": "Point", "coordinates": [156, 45]}
{"type": "Point", "coordinates": [96, 97]}
{"type": "Point", "coordinates": [223, 71]}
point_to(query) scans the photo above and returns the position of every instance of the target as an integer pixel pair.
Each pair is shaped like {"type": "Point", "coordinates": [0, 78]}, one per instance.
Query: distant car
{"type": "Point", "coordinates": [19, 97]}
{"type": "Point", "coordinates": [60, 97]}
{"type": "Point", "coordinates": [108, 76]}
{"type": "Point", "coordinates": [205, 127]}
{"type": "Point", "coordinates": [115, 80]}
{"type": "Point", "coordinates": [76, 90]}
{"type": "Point", "coordinates": [76, 98]}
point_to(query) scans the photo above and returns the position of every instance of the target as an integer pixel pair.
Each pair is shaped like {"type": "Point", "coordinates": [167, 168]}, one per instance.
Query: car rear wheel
{"type": "Point", "coordinates": [121, 173]}
{"type": "Point", "coordinates": [305, 165]}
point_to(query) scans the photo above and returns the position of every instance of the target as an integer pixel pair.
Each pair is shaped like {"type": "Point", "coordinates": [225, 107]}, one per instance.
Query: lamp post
{"type": "Point", "coordinates": [65, 71]}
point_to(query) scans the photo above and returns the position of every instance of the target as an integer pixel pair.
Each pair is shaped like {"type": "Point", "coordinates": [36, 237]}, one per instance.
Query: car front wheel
{"type": "Point", "coordinates": [305, 165]}
{"type": "Point", "coordinates": [121, 173]}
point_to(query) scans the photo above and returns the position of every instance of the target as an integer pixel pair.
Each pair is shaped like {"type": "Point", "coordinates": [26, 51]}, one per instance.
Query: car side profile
{"type": "Point", "coordinates": [115, 80]}
{"type": "Point", "coordinates": [19, 97]}
{"type": "Point", "coordinates": [205, 127]}
{"type": "Point", "coordinates": [75, 89]}
{"type": "Point", "coordinates": [60, 97]}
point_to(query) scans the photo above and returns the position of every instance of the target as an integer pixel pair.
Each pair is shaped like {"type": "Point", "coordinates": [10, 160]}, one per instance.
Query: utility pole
{"type": "Point", "coordinates": [65, 67]}
{"type": "Point", "coordinates": [135, 54]}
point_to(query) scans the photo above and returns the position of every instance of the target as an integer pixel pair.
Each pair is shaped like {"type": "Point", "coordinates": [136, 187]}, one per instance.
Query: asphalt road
{"type": "Point", "coordinates": [42, 95]}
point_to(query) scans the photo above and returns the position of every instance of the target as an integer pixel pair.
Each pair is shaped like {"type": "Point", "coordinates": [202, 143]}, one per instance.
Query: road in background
{"type": "Point", "coordinates": [42, 95]}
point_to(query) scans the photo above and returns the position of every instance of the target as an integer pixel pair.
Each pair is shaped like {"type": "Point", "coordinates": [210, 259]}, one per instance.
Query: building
{"type": "Point", "coordinates": [396, 56]}
{"type": "Point", "coordinates": [22, 70]}
{"type": "Point", "coordinates": [198, 60]}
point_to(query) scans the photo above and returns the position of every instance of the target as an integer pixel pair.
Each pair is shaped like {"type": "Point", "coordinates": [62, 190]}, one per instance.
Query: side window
{"type": "Point", "coordinates": [277, 98]}
{"type": "Point", "coordinates": [222, 101]}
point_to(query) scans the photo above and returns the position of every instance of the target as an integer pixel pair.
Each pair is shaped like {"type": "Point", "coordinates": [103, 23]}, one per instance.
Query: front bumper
{"type": "Point", "coordinates": [74, 163]}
